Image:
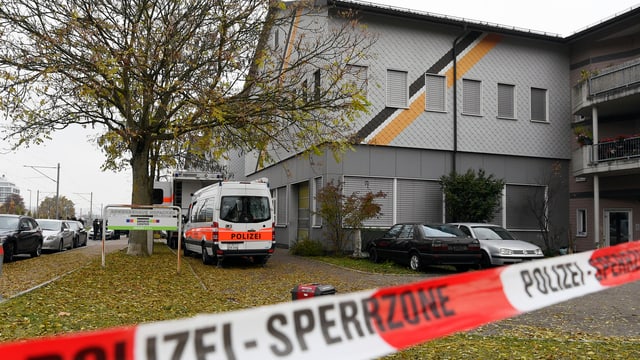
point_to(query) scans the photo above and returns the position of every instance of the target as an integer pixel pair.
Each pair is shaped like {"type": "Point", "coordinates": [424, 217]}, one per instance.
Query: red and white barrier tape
{"type": "Point", "coordinates": [364, 324]}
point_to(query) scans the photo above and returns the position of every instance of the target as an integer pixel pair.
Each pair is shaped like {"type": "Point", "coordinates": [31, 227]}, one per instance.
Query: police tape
{"type": "Point", "coordinates": [364, 324]}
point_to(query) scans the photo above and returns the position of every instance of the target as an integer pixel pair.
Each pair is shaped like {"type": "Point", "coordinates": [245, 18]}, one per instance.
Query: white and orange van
{"type": "Point", "coordinates": [231, 218]}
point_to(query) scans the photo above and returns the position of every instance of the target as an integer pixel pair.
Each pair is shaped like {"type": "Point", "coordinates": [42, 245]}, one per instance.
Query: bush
{"type": "Point", "coordinates": [307, 248]}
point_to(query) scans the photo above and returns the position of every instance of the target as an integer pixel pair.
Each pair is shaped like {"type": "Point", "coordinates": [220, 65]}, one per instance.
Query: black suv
{"type": "Point", "coordinates": [20, 234]}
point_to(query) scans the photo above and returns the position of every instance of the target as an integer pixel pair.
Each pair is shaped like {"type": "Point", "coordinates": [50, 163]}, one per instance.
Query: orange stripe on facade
{"type": "Point", "coordinates": [397, 125]}
{"type": "Point", "coordinates": [292, 38]}
{"type": "Point", "coordinates": [472, 57]}
{"type": "Point", "coordinates": [408, 116]}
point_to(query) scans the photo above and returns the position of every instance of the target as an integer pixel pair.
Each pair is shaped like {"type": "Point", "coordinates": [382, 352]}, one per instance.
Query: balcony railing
{"type": "Point", "coordinates": [617, 149]}
{"type": "Point", "coordinates": [617, 78]}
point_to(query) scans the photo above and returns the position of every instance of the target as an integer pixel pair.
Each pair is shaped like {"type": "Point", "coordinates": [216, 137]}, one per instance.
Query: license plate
{"type": "Point", "coordinates": [232, 247]}
{"type": "Point", "coordinates": [459, 247]}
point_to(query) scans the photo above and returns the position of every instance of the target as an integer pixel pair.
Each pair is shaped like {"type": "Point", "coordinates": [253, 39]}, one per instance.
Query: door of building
{"type": "Point", "coordinates": [617, 226]}
{"type": "Point", "coordinates": [304, 213]}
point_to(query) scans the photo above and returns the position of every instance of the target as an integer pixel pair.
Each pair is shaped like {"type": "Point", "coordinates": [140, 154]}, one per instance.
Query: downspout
{"type": "Point", "coordinates": [455, 100]}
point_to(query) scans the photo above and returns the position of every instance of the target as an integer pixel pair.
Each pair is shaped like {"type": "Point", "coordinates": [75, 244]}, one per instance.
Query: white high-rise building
{"type": "Point", "coordinates": [7, 188]}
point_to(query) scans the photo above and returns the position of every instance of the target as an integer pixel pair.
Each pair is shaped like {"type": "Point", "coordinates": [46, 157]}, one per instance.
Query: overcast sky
{"type": "Point", "coordinates": [82, 182]}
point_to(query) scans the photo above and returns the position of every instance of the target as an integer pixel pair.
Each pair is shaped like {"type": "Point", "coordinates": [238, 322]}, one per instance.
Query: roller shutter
{"type": "Point", "coordinates": [419, 200]}
{"type": "Point", "coordinates": [362, 185]}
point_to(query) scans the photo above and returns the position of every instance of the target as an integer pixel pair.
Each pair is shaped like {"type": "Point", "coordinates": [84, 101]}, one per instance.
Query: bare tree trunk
{"type": "Point", "coordinates": [357, 244]}
{"type": "Point", "coordinates": [142, 188]}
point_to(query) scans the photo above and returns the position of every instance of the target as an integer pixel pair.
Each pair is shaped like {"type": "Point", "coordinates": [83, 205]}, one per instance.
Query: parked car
{"type": "Point", "coordinates": [108, 235]}
{"type": "Point", "coordinates": [20, 234]}
{"type": "Point", "coordinates": [79, 233]}
{"type": "Point", "coordinates": [419, 245]}
{"type": "Point", "coordinates": [57, 234]}
{"type": "Point", "coordinates": [499, 246]}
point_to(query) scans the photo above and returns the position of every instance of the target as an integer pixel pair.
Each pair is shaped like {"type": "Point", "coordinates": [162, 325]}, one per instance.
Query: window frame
{"type": "Point", "coordinates": [545, 102]}
{"type": "Point", "coordinates": [440, 88]}
{"type": "Point", "coordinates": [477, 102]}
{"type": "Point", "coordinates": [581, 222]}
{"type": "Point", "coordinates": [390, 101]}
{"type": "Point", "coordinates": [512, 100]}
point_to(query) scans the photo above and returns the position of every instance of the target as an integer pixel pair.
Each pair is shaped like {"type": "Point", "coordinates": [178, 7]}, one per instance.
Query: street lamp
{"type": "Point", "coordinates": [57, 181]}
{"type": "Point", "coordinates": [29, 190]}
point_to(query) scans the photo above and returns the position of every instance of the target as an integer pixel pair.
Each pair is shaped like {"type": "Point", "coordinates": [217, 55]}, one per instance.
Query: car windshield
{"type": "Point", "coordinates": [245, 209]}
{"type": "Point", "coordinates": [433, 232]}
{"type": "Point", "coordinates": [8, 222]}
{"type": "Point", "coordinates": [492, 233]}
{"type": "Point", "coordinates": [49, 225]}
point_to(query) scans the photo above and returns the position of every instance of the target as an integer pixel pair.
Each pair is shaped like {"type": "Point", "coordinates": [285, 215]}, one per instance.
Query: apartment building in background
{"type": "Point", "coordinates": [605, 86]}
{"type": "Point", "coordinates": [455, 94]}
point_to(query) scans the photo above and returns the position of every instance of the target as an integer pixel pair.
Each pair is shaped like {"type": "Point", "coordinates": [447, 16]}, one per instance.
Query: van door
{"type": "Point", "coordinates": [245, 222]}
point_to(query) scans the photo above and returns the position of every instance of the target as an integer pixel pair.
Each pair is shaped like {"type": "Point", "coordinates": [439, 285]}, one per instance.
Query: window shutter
{"type": "Point", "coordinates": [538, 104]}
{"type": "Point", "coordinates": [435, 96]}
{"type": "Point", "coordinates": [506, 101]}
{"type": "Point", "coordinates": [396, 89]}
{"type": "Point", "coordinates": [471, 97]}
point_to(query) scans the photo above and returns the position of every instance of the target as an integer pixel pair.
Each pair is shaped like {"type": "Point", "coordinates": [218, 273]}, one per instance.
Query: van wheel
{"type": "Point", "coordinates": [206, 259]}
{"type": "Point", "coordinates": [260, 260]}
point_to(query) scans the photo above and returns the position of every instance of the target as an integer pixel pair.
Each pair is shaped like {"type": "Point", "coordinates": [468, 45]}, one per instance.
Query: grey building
{"type": "Point", "coordinates": [507, 110]}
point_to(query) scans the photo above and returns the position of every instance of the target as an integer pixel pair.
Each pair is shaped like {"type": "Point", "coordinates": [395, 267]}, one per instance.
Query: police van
{"type": "Point", "coordinates": [231, 218]}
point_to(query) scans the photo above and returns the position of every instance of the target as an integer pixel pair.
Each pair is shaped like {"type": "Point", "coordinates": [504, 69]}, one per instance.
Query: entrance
{"type": "Point", "coordinates": [304, 212]}
{"type": "Point", "coordinates": [617, 226]}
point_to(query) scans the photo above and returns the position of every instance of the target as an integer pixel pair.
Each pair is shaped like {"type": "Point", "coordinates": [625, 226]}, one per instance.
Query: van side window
{"type": "Point", "coordinates": [193, 211]}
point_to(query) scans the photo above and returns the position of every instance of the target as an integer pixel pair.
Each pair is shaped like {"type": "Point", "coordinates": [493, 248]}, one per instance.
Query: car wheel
{"type": "Point", "coordinates": [206, 259]}
{"type": "Point", "coordinates": [373, 255]}
{"type": "Point", "coordinates": [8, 252]}
{"type": "Point", "coordinates": [485, 262]}
{"type": "Point", "coordinates": [415, 262]}
{"type": "Point", "coordinates": [38, 251]}
{"type": "Point", "coordinates": [61, 246]}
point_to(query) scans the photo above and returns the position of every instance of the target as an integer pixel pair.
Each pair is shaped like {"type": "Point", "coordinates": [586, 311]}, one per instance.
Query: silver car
{"type": "Point", "coordinates": [499, 246]}
{"type": "Point", "coordinates": [57, 234]}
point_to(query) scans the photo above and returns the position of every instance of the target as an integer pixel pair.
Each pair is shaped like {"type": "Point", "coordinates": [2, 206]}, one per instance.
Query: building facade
{"type": "Point", "coordinates": [605, 181]}
{"type": "Point", "coordinates": [7, 188]}
{"type": "Point", "coordinates": [446, 94]}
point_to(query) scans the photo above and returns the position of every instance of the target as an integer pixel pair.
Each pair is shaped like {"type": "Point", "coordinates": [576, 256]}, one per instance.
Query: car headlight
{"type": "Point", "coordinates": [505, 251]}
{"type": "Point", "coordinates": [538, 251]}
{"type": "Point", "coordinates": [52, 237]}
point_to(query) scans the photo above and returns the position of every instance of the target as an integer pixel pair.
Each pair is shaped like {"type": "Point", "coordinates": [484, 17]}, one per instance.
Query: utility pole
{"type": "Point", "coordinates": [57, 181]}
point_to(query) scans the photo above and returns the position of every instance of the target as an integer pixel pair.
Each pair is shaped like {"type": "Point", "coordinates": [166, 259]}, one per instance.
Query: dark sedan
{"type": "Point", "coordinates": [419, 245]}
{"type": "Point", "coordinates": [20, 235]}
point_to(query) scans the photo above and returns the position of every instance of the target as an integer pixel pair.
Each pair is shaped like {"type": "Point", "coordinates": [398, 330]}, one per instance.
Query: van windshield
{"type": "Point", "coordinates": [245, 209]}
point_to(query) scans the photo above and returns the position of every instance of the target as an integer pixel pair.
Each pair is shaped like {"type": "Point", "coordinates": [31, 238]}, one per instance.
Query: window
{"type": "Point", "coordinates": [316, 85]}
{"type": "Point", "coordinates": [538, 104]}
{"type": "Point", "coordinates": [317, 185]}
{"type": "Point", "coordinates": [356, 76]}
{"type": "Point", "coordinates": [281, 206]}
{"type": "Point", "coordinates": [471, 97]}
{"type": "Point", "coordinates": [243, 209]}
{"type": "Point", "coordinates": [581, 222]}
{"type": "Point", "coordinates": [397, 91]}
{"type": "Point", "coordinates": [305, 91]}
{"type": "Point", "coordinates": [532, 197]}
{"type": "Point", "coordinates": [435, 92]}
{"type": "Point", "coordinates": [506, 101]}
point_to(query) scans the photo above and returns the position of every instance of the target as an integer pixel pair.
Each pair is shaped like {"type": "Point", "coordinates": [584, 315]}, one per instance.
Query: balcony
{"type": "Point", "coordinates": [610, 157]}
{"type": "Point", "coordinates": [614, 90]}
